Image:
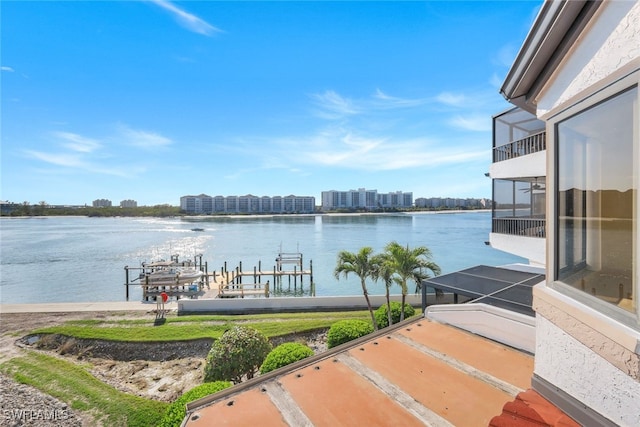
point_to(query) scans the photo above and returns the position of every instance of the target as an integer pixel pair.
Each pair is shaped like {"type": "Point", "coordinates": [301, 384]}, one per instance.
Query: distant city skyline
{"type": "Point", "coordinates": [153, 100]}
{"type": "Point", "coordinates": [128, 202]}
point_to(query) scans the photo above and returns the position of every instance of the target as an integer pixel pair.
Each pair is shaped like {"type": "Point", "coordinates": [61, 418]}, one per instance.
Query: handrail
{"type": "Point", "coordinates": [522, 147]}
{"type": "Point", "coordinates": [528, 227]}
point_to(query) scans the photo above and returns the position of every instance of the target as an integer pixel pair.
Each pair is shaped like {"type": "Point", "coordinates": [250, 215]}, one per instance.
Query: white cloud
{"type": "Point", "coordinates": [452, 99]}
{"type": "Point", "coordinates": [188, 20]}
{"type": "Point", "coordinates": [74, 153]}
{"type": "Point", "coordinates": [59, 159]}
{"type": "Point", "coordinates": [477, 123]}
{"type": "Point", "coordinates": [333, 105]}
{"type": "Point", "coordinates": [4, 68]}
{"type": "Point", "coordinates": [395, 102]}
{"type": "Point", "coordinates": [75, 161]}
{"type": "Point", "coordinates": [143, 139]}
{"type": "Point", "coordinates": [346, 149]}
{"type": "Point", "coordinates": [77, 142]}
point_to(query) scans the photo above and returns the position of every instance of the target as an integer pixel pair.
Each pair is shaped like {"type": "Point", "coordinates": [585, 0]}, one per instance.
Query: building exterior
{"type": "Point", "coordinates": [365, 199]}
{"type": "Point", "coordinates": [128, 204]}
{"type": "Point", "coordinates": [101, 203]}
{"type": "Point", "coordinates": [578, 72]}
{"type": "Point", "coordinates": [518, 174]}
{"type": "Point", "coordinates": [249, 204]}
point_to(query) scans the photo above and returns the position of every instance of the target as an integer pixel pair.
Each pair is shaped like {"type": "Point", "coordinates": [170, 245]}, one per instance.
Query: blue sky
{"type": "Point", "coordinates": [153, 100]}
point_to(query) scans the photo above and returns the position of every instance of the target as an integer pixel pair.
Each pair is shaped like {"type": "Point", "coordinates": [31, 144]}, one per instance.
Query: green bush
{"type": "Point", "coordinates": [239, 352]}
{"type": "Point", "coordinates": [285, 354]}
{"type": "Point", "coordinates": [177, 410]}
{"type": "Point", "coordinates": [382, 319]}
{"type": "Point", "coordinates": [346, 330]}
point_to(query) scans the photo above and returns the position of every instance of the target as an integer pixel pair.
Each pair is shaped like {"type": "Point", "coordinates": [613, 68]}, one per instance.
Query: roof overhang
{"type": "Point", "coordinates": [554, 31]}
{"type": "Point", "coordinates": [500, 287]}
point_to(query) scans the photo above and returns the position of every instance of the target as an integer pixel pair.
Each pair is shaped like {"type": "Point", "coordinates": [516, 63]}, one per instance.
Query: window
{"type": "Point", "coordinates": [596, 224]}
{"type": "Point", "coordinates": [519, 198]}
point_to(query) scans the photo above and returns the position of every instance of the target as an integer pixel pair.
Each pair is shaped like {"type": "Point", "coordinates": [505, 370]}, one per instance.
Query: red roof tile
{"type": "Point", "coordinates": [529, 409]}
{"type": "Point", "coordinates": [418, 373]}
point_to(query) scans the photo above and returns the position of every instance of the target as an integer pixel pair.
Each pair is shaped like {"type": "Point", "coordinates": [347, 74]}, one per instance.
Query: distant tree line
{"type": "Point", "coordinates": [43, 209]}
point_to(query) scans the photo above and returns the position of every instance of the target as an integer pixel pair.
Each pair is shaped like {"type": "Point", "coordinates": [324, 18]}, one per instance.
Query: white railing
{"type": "Point", "coordinates": [528, 227]}
{"type": "Point", "coordinates": [522, 147]}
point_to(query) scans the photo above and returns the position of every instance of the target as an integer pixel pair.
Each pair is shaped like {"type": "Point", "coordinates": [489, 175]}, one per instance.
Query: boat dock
{"type": "Point", "coordinates": [230, 283]}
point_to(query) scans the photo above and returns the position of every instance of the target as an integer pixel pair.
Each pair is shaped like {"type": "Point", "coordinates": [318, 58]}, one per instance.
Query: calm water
{"type": "Point", "coordinates": [75, 259]}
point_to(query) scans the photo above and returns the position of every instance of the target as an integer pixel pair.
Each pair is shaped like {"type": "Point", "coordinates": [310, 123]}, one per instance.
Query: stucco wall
{"type": "Point", "coordinates": [608, 43]}
{"type": "Point", "coordinates": [561, 360]}
{"type": "Point", "coordinates": [532, 248]}
{"type": "Point", "coordinates": [249, 305]}
{"type": "Point", "coordinates": [529, 166]}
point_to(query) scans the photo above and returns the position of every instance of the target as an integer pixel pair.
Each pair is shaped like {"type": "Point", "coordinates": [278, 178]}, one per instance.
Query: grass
{"type": "Point", "coordinates": [179, 328]}
{"type": "Point", "coordinates": [74, 385]}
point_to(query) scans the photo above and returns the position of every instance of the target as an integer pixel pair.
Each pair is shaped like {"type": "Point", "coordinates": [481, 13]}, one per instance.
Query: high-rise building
{"type": "Point", "coordinates": [101, 203]}
{"type": "Point", "coordinates": [365, 199]}
{"type": "Point", "coordinates": [249, 204]}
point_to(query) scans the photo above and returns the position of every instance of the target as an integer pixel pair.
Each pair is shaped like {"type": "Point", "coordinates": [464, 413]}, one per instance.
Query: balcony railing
{"type": "Point", "coordinates": [527, 227]}
{"type": "Point", "coordinates": [522, 147]}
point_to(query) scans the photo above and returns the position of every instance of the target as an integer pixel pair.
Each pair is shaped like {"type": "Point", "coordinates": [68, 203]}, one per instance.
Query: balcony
{"type": "Point", "coordinates": [525, 227]}
{"type": "Point", "coordinates": [522, 147]}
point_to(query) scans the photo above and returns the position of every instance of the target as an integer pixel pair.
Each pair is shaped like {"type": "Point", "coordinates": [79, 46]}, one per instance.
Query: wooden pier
{"type": "Point", "coordinates": [232, 283]}
{"type": "Point", "coordinates": [240, 283]}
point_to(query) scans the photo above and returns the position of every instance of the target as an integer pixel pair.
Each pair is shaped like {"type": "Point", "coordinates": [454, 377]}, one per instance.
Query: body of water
{"type": "Point", "coordinates": [76, 259]}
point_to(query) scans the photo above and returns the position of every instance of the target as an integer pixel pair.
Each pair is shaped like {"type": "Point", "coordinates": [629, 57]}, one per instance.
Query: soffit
{"type": "Point", "coordinates": [555, 29]}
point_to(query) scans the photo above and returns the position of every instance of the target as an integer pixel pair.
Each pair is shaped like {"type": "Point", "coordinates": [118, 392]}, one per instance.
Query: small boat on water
{"type": "Point", "coordinates": [170, 273]}
{"type": "Point", "coordinates": [176, 276]}
{"type": "Point", "coordinates": [197, 229]}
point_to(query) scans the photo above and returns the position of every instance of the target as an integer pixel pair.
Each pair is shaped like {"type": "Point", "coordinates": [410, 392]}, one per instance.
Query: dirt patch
{"type": "Point", "coordinates": [153, 370]}
{"type": "Point", "coordinates": [164, 381]}
{"type": "Point", "coordinates": [118, 350]}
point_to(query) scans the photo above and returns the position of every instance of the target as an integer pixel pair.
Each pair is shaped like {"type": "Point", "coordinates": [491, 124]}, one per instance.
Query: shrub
{"type": "Point", "coordinates": [346, 330]}
{"type": "Point", "coordinates": [382, 319]}
{"type": "Point", "coordinates": [285, 354]}
{"type": "Point", "coordinates": [239, 352]}
{"type": "Point", "coordinates": [176, 412]}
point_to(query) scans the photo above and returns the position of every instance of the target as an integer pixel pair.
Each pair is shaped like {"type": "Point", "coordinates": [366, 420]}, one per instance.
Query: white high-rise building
{"type": "Point", "coordinates": [365, 199]}
{"type": "Point", "coordinates": [249, 204]}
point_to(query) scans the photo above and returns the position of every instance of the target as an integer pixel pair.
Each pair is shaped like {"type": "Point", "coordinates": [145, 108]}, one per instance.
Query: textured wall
{"type": "Point", "coordinates": [566, 363]}
{"type": "Point", "coordinates": [608, 43]}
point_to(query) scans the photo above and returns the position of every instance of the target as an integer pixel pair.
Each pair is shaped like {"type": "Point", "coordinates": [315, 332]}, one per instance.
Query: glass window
{"type": "Point", "coordinates": [519, 199]}
{"type": "Point", "coordinates": [503, 198]}
{"type": "Point", "coordinates": [597, 178]}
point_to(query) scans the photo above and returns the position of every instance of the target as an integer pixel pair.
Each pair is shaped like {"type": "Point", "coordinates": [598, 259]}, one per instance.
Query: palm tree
{"type": "Point", "coordinates": [361, 264]}
{"type": "Point", "coordinates": [383, 269]}
{"type": "Point", "coordinates": [409, 264]}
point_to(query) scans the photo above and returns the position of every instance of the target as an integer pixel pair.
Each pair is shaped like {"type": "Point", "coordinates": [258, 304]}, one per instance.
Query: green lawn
{"type": "Point", "coordinates": [74, 385]}
{"type": "Point", "coordinates": [177, 328]}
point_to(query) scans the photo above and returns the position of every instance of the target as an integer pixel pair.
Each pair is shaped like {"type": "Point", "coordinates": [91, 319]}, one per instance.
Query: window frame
{"type": "Point", "coordinates": [593, 99]}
